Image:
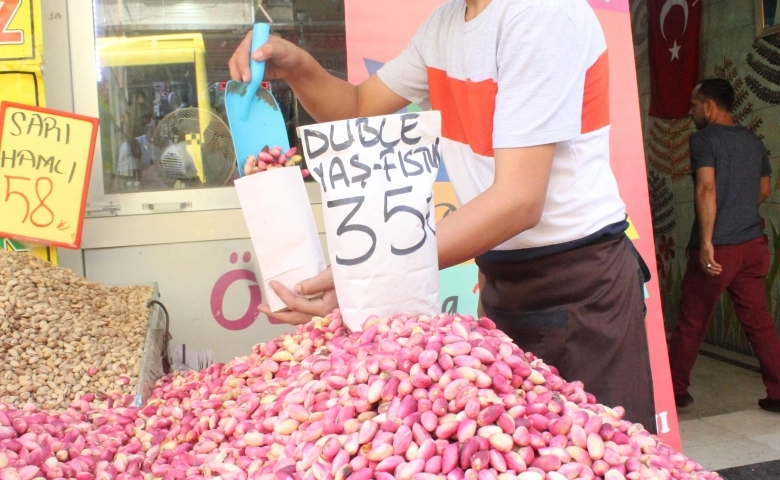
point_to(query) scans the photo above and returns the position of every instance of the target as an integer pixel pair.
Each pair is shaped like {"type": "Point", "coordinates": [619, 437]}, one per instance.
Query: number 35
{"type": "Point", "coordinates": [346, 227]}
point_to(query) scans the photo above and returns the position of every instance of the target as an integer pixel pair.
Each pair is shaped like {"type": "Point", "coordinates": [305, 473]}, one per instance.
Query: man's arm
{"type": "Point", "coordinates": [706, 211]}
{"type": "Point", "coordinates": [510, 206]}
{"type": "Point", "coordinates": [325, 97]}
{"type": "Point", "coordinates": [765, 189]}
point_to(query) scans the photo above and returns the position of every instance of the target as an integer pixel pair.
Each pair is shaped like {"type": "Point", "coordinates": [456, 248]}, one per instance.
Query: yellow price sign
{"type": "Point", "coordinates": [45, 164]}
{"type": "Point", "coordinates": [19, 35]}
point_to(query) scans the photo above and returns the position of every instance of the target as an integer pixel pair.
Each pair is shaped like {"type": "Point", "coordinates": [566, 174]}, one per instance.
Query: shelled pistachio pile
{"type": "Point", "coordinates": [62, 336]}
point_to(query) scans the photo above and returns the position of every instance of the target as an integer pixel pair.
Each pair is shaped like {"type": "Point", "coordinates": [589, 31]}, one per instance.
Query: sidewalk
{"type": "Point", "coordinates": [724, 427]}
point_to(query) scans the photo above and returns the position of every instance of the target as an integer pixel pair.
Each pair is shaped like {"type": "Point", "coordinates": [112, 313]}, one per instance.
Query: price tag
{"type": "Point", "coordinates": [45, 164]}
{"type": "Point", "coordinates": [376, 176]}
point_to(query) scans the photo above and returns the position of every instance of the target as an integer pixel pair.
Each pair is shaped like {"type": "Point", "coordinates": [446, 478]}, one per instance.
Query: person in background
{"type": "Point", "coordinates": [524, 87]}
{"type": "Point", "coordinates": [127, 163]}
{"type": "Point", "coordinates": [152, 148]}
{"type": "Point", "coordinates": [145, 142]}
{"type": "Point", "coordinates": [138, 109]}
{"type": "Point", "coordinates": [727, 249]}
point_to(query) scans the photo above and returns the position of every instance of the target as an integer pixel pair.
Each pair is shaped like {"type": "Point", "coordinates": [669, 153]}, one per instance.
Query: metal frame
{"type": "Point", "coordinates": [762, 31]}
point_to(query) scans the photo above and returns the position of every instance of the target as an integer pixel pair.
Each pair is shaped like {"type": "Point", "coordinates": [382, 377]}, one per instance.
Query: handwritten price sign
{"type": "Point", "coordinates": [45, 163]}
{"type": "Point", "coordinates": [376, 176]}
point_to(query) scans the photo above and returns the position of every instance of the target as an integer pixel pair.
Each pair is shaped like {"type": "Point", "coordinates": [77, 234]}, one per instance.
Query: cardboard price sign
{"type": "Point", "coordinates": [45, 164]}
{"type": "Point", "coordinates": [376, 176]}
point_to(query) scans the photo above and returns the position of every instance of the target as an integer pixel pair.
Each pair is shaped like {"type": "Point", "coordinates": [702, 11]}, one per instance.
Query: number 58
{"type": "Point", "coordinates": [43, 190]}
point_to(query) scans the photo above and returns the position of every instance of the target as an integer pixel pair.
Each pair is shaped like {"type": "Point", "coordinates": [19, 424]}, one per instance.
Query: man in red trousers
{"type": "Point", "coordinates": [727, 249]}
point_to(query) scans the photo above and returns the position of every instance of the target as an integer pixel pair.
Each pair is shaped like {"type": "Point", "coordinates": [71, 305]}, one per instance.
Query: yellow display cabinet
{"type": "Point", "coordinates": [118, 55]}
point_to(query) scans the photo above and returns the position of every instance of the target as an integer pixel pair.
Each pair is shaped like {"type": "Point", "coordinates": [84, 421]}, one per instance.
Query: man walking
{"type": "Point", "coordinates": [727, 250]}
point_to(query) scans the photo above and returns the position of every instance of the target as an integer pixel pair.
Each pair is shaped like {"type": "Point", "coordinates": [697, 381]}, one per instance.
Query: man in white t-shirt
{"type": "Point", "coordinates": [523, 88]}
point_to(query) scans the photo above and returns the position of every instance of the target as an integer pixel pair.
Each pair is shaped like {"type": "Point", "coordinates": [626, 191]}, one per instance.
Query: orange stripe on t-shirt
{"type": "Point", "coordinates": [595, 100]}
{"type": "Point", "coordinates": [466, 108]}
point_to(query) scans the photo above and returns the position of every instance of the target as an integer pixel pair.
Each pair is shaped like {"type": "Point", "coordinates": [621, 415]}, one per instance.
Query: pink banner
{"type": "Point", "coordinates": [611, 5]}
{"type": "Point", "coordinates": [377, 31]}
{"type": "Point", "coordinates": [627, 158]}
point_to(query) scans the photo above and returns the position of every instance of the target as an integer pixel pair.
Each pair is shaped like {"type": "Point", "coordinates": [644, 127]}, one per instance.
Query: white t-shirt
{"type": "Point", "coordinates": [126, 163]}
{"type": "Point", "coordinates": [522, 73]}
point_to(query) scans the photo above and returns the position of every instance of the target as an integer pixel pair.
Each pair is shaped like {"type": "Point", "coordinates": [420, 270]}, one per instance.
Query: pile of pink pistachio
{"type": "Point", "coordinates": [413, 398]}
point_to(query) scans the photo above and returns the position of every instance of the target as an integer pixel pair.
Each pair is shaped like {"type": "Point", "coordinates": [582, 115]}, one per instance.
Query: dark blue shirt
{"type": "Point", "coordinates": [740, 160]}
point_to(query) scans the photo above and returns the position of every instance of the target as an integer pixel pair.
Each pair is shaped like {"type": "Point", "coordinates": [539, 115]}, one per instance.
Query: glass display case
{"type": "Point", "coordinates": [160, 72]}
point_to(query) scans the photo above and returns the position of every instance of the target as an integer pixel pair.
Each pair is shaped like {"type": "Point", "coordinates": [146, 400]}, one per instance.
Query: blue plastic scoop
{"type": "Point", "coordinates": [253, 114]}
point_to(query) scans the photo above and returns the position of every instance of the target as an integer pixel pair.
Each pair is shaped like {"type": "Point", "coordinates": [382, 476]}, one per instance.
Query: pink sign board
{"type": "Point", "coordinates": [377, 31]}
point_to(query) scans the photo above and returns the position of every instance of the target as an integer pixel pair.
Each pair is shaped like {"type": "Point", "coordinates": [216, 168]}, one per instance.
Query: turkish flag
{"type": "Point", "coordinates": [673, 41]}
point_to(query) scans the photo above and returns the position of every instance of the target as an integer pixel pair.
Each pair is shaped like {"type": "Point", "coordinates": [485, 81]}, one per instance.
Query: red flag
{"type": "Point", "coordinates": [673, 42]}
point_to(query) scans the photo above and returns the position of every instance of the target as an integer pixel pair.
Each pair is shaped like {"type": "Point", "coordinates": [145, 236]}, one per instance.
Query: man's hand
{"type": "Point", "coordinates": [303, 309]}
{"type": "Point", "coordinates": [325, 97]}
{"type": "Point", "coordinates": [281, 58]}
{"type": "Point", "coordinates": [707, 260]}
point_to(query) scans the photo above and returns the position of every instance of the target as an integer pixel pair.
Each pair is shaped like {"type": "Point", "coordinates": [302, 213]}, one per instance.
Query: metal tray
{"type": "Point", "coordinates": [154, 345]}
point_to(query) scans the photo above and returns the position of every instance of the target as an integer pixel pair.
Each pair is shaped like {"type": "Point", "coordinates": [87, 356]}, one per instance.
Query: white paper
{"type": "Point", "coordinates": [376, 176]}
{"type": "Point", "coordinates": [278, 214]}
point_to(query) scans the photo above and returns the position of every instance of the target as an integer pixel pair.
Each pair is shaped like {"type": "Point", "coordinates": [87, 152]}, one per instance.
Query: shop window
{"type": "Point", "coordinates": [767, 18]}
{"type": "Point", "coordinates": [162, 72]}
